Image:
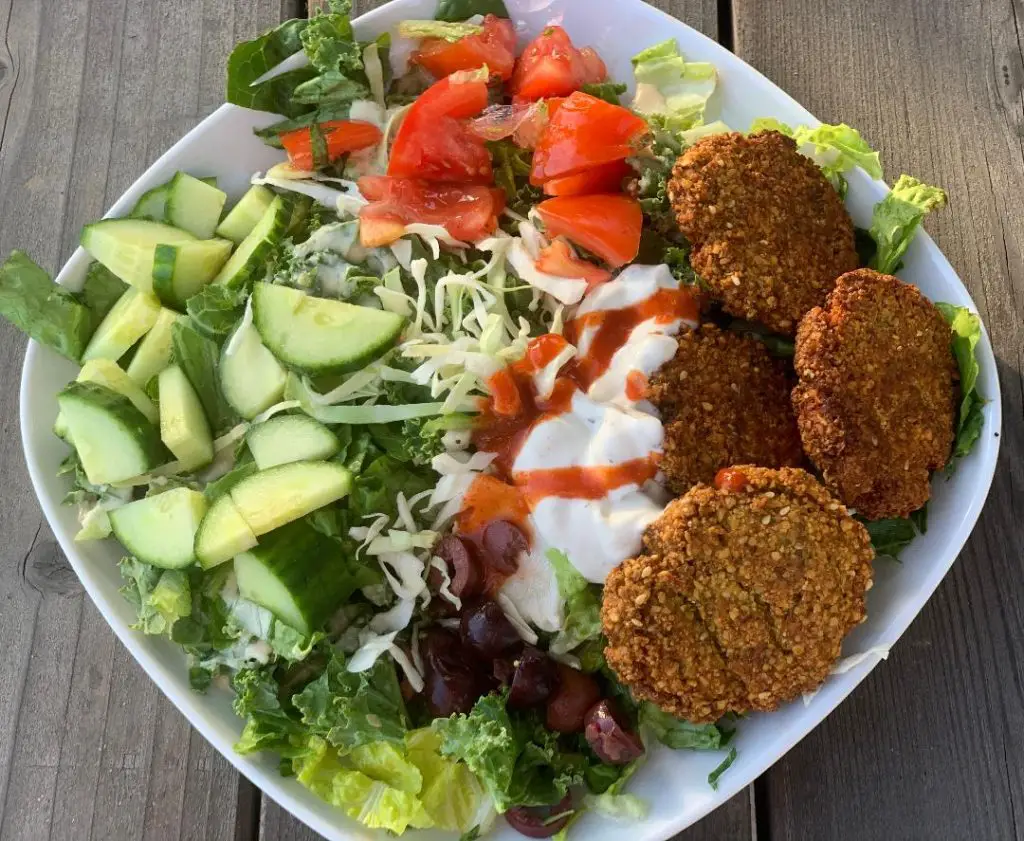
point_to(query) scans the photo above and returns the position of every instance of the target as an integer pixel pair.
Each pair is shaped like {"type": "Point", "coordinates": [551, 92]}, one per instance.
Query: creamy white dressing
{"type": "Point", "coordinates": [567, 290]}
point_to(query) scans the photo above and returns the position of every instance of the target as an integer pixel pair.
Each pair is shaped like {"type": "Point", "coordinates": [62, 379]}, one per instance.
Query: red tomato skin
{"type": "Point", "coordinates": [551, 66]}
{"type": "Point", "coordinates": [585, 132]}
{"type": "Point", "coordinates": [467, 212]}
{"type": "Point", "coordinates": [559, 259]}
{"type": "Point", "coordinates": [340, 136]}
{"type": "Point", "coordinates": [605, 178]}
{"type": "Point", "coordinates": [494, 48]}
{"type": "Point", "coordinates": [606, 225]}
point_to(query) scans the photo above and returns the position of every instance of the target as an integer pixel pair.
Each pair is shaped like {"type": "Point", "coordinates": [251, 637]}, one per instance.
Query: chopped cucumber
{"type": "Point", "coordinates": [245, 215]}
{"type": "Point", "coordinates": [109, 374]}
{"type": "Point", "coordinates": [183, 426]}
{"type": "Point", "coordinates": [154, 351]}
{"type": "Point", "coordinates": [114, 440]}
{"type": "Point", "coordinates": [319, 335]}
{"type": "Point", "coordinates": [193, 205]}
{"type": "Point", "coordinates": [127, 247]}
{"type": "Point", "coordinates": [161, 529]}
{"type": "Point", "coordinates": [222, 534]}
{"type": "Point", "coordinates": [129, 319]}
{"type": "Point", "coordinates": [251, 255]}
{"type": "Point", "coordinates": [179, 271]}
{"type": "Point", "coordinates": [296, 573]}
{"type": "Point", "coordinates": [152, 205]}
{"type": "Point", "coordinates": [250, 377]}
{"type": "Point", "coordinates": [289, 438]}
{"type": "Point", "coordinates": [271, 498]}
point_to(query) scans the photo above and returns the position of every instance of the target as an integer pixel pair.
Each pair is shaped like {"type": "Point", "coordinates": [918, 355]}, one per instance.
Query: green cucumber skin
{"type": "Point", "coordinates": [174, 284]}
{"type": "Point", "coordinates": [245, 216]}
{"type": "Point", "coordinates": [249, 259]}
{"type": "Point", "coordinates": [310, 566]}
{"type": "Point", "coordinates": [152, 205]}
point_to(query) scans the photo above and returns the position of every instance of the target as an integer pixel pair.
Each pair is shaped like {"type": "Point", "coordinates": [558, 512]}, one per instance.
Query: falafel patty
{"type": "Point", "coordinates": [876, 399]}
{"type": "Point", "coordinates": [723, 400]}
{"type": "Point", "coordinates": [741, 599]}
{"type": "Point", "coordinates": [769, 233]}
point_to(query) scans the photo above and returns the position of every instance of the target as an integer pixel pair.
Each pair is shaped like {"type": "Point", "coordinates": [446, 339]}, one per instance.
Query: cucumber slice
{"type": "Point", "coordinates": [319, 335]}
{"type": "Point", "coordinates": [289, 438]}
{"type": "Point", "coordinates": [152, 205]}
{"type": "Point", "coordinates": [222, 534]}
{"type": "Point", "coordinates": [251, 255]}
{"type": "Point", "coordinates": [183, 426]}
{"type": "Point", "coordinates": [129, 319]}
{"type": "Point", "coordinates": [113, 439]}
{"type": "Point", "coordinates": [161, 529]}
{"type": "Point", "coordinates": [109, 374]}
{"type": "Point", "coordinates": [271, 498]}
{"type": "Point", "coordinates": [297, 574]}
{"type": "Point", "coordinates": [179, 271]}
{"type": "Point", "coordinates": [127, 247]}
{"type": "Point", "coordinates": [194, 205]}
{"type": "Point", "coordinates": [154, 351]}
{"type": "Point", "coordinates": [245, 215]}
{"type": "Point", "coordinates": [251, 379]}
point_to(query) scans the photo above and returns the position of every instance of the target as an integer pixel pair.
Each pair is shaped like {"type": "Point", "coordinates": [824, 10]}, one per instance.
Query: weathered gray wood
{"type": "Point", "coordinates": [732, 821]}
{"type": "Point", "coordinates": [931, 746]}
{"type": "Point", "coordinates": [91, 93]}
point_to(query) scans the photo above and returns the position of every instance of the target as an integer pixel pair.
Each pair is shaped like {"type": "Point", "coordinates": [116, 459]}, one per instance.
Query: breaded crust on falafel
{"type": "Point", "coordinates": [875, 402]}
{"type": "Point", "coordinates": [769, 234]}
{"type": "Point", "coordinates": [723, 400]}
{"type": "Point", "coordinates": [741, 599]}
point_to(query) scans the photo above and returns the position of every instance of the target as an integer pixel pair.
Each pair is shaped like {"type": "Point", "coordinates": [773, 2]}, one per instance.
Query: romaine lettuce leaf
{"type": "Point", "coordinates": [216, 309]}
{"type": "Point", "coordinates": [582, 605]}
{"type": "Point", "coordinates": [451, 795]}
{"type": "Point", "coordinates": [897, 217]}
{"type": "Point", "coordinates": [268, 726]}
{"type": "Point", "coordinates": [199, 357]}
{"type": "Point", "coordinates": [608, 91]}
{"type": "Point", "coordinates": [444, 30]}
{"type": "Point", "coordinates": [161, 596]}
{"type": "Point", "coordinates": [101, 290]}
{"type": "Point", "coordinates": [670, 88]}
{"type": "Point", "coordinates": [679, 734]}
{"type": "Point", "coordinates": [48, 313]}
{"type": "Point", "coordinates": [966, 328]}
{"type": "Point", "coordinates": [456, 10]}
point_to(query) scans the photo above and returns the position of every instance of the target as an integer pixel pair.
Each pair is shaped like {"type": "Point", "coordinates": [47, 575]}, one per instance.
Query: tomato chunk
{"type": "Point", "coordinates": [559, 259]}
{"type": "Point", "coordinates": [585, 132]}
{"type": "Point", "coordinates": [606, 178]}
{"type": "Point", "coordinates": [551, 66]}
{"type": "Point", "coordinates": [434, 144]}
{"type": "Point", "coordinates": [494, 48]}
{"type": "Point", "coordinates": [341, 137]}
{"type": "Point", "coordinates": [468, 213]}
{"type": "Point", "coordinates": [607, 225]}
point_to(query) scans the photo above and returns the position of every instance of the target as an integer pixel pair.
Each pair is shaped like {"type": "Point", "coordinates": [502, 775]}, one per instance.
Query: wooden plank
{"type": "Point", "coordinates": [90, 94]}
{"type": "Point", "coordinates": [732, 821]}
{"type": "Point", "coordinates": [930, 746]}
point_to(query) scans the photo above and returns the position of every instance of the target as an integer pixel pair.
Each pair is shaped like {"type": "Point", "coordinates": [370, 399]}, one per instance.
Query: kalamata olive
{"type": "Point", "coordinates": [504, 669]}
{"type": "Point", "coordinates": [504, 542]}
{"type": "Point", "coordinates": [534, 679]}
{"type": "Point", "coordinates": [610, 737]}
{"type": "Point", "coordinates": [452, 681]}
{"type": "Point", "coordinates": [570, 703]}
{"type": "Point", "coordinates": [540, 821]}
{"type": "Point", "coordinates": [463, 566]}
{"type": "Point", "coordinates": [487, 630]}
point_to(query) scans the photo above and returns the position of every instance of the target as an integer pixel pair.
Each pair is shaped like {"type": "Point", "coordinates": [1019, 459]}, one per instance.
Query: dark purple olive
{"type": "Point", "coordinates": [463, 566]}
{"type": "Point", "coordinates": [534, 679]}
{"type": "Point", "coordinates": [504, 669]}
{"type": "Point", "coordinates": [452, 682]}
{"type": "Point", "coordinates": [568, 706]}
{"type": "Point", "coordinates": [540, 821]}
{"type": "Point", "coordinates": [504, 542]}
{"type": "Point", "coordinates": [610, 737]}
{"type": "Point", "coordinates": [487, 630]}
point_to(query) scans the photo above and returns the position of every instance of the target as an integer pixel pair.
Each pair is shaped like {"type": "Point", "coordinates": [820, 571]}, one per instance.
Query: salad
{"type": "Point", "coordinates": [373, 437]}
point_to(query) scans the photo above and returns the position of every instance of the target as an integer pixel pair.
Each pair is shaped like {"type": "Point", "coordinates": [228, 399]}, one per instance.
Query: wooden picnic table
{"type": "Point", "coordinates": [931, 746]}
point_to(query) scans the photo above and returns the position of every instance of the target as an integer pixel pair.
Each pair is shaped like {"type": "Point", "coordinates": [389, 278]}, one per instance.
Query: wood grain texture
{"type": "Point", "coordinates": [733, 821]}
{"type": "Point", "coordinates": [930, 747]}
{"type": "Point", "coordinates": [90, 94]}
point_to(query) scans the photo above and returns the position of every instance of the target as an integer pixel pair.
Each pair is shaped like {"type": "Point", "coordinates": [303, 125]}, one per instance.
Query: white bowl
{"type": "Point", "coordinates": [673, 783]}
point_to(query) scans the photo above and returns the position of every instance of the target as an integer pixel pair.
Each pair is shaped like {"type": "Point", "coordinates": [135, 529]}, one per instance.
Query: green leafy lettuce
{"type": "Point", "coordinates": [512, 173]}
{"type": "Point", "coordinates": [684, 735]}
{"type": "Point", "coordinates": [450, 31]}
{"type": "Point", "coordinates": [670, 90]}
{"type": "Point", "coordinates": [198, 356]}
{"type": "Point", "coordinates": [897, 217]}
{"type": "Point", "coordinates": [161, 596]}
{"type": "Point", "coordinates": [582, 604]}
{"type": "Point", "coordinates": [216, 309]}
{"type": "Point", "coordinates": [456, 10]}
{"type": "Point", "coordinates": [101, 290]}
{"type": "Point", "coordinates": [608, 91]}
{"type": "Point", "coordinates": [966, 329]}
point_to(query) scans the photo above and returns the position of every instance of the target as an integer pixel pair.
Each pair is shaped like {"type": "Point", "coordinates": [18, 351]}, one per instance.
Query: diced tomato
{"type": "Point", "coordinates": [341, 137]}
{"type": "Point", "coordinates": [433, 144]}
{"type": "Point", "coordinates": [606, 178]}
{"type": "Point", "coordinates": [607, 225]}
{"type": "Point", "coordinates": [559, 259]}
{"type": "Point", "coordinates": [494, 48]}
{"type": "Point", "coordinates": [584, 133]}
{"type": "Point", "coordinates": [551, 66]}
{"type": "Point", "coordinates": [468, 213]}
